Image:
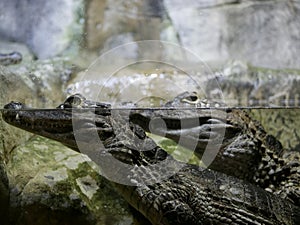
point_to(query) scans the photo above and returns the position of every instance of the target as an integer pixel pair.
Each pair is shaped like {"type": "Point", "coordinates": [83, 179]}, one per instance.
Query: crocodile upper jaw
{"type": "Point", "coordinates": [54, 124]}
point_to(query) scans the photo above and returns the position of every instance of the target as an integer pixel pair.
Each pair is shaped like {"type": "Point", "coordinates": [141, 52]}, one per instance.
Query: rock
{"type": "Point", "coordinates": [38, 84]}
{"type": "Point", "coordinates": [202, 34]}
{"type": "Point", "coordinates": [13, 87]}
{"type": "Point", "coordinates": [52, 184]}
{"type": "Point", "coordinates": [4, 194]}
{"type": "Point", "coordinates": [47, 27]}
{"type": "Point", "coordinates": [135, 19]}
{"type": "Point", "coordinates": [121, 39]}
{"type": "Point", "coordinates": [49, 78]}
{"type": "Point", "coordinates": [264, 33]}
{"type": "Point", "coordinates": [216, 31]}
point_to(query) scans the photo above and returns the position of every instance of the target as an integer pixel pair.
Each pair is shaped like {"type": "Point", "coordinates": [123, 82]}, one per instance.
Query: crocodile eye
{"type": "Point", "coordinates": [191, 99]}
{"type": "Point", "coordinates": [74, 101]}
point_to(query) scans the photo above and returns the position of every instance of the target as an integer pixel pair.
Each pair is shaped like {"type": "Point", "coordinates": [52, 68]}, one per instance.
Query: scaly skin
{"type": "Point", "coordinates": [191, 195]}
{"type": "Point", "coordinates": [245, 151]}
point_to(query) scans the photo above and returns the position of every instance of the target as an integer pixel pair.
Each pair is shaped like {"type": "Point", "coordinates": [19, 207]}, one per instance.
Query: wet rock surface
{"type": "Point", "coordinates": [4, 193]}
{"type": "Point", "coordinates": [51, 184]}
{"type": "Point", "coordinates": [37, 187]}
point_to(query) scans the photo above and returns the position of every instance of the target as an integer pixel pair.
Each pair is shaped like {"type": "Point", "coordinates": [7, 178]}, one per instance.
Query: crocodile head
{"type": "Point", "coordinates": [58, 124]}
{"type": "Point", "coordinates": [190, 121]}
{"type": "Point", "coordinates": [78, 122]}
{"type": "Point", "coordinates": [77, 115]}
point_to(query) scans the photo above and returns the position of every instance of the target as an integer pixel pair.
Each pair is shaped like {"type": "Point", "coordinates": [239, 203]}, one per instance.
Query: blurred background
{"type": "Point", "coordinates": [263, 33]}
{"type": "Point", "coordinates": [225, 37]}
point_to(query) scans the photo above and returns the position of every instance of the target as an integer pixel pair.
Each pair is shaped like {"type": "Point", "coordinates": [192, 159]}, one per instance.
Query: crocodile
{"type": "Point", "coordinates": [243, 148]}
{"type": "Point", "coordinates": [163, 189]}
{"type": "Point", "coordinates": [10, 58]}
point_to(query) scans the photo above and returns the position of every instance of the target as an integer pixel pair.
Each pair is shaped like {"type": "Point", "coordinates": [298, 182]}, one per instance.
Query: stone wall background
{"type": "Point", "coordinates": [263, 33]}
{"type": "Point", "coordinates": [46, 27]}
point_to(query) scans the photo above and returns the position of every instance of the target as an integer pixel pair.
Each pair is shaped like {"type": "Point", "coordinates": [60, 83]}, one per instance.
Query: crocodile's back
{"type": "Point", "coordinates": [201, 196]}
{"type": "Point", "coordinates": [282, 123]}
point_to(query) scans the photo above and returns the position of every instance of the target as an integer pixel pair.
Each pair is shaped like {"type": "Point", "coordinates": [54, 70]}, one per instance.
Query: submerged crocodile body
{"type": "Point", "coordinates": [190, 195]}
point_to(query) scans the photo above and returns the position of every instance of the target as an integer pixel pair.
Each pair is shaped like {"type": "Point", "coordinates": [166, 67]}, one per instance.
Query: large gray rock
{"type": "Point", "coordinates": [51, 184]}
{"type": "Point", "coordinates": [264, 33]}
{"type": "Point", "coordinates": [47, 27]}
